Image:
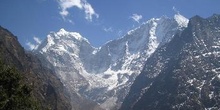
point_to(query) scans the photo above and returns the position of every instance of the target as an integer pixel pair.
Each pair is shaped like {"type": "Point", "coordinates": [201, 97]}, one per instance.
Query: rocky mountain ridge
{"type": "Point", "coordinates": [182, 74]}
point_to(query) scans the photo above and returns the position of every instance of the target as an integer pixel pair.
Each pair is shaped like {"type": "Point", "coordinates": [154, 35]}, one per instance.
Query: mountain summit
{"type": "Point", "coordinates": [105, 74]}
{"type": "Point", "coordinates": [182, 74]}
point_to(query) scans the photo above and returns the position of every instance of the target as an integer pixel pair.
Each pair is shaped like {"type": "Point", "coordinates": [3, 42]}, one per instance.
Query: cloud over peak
{"type": "Point", "coordinates": [110, 29]}
{"type": "Point", "coordinates": [37, 42]}
{"type": "Point", "coordinates": [81, 4]}
{"type": "Point", "coordinates": [136, 17]}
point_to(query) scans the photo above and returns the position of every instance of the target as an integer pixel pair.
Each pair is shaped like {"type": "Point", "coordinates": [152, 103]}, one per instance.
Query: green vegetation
{"type": "Point", "coordinates": [14, 95]}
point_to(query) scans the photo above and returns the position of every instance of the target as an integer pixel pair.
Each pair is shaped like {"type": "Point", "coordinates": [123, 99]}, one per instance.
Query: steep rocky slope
{"type": "Point", "coordinates": [47, 88]}
{"type": "Point", "coordinates": [182, 74]}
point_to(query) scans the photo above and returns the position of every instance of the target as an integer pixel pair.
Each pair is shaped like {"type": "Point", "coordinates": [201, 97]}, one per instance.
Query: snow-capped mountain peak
{"type": "Point", "coordinates": [105, 75]}
{"type": "Point", "coordinates": [62, 38]}
{"type": "Point", "coordinates": [181, 20]}
{"type": "Point", "coordinates": [63, 33]}
{"type": "Point", "coordinates": [182, 74]}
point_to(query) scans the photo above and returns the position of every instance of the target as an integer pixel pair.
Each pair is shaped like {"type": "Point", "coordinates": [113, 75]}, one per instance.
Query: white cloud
{"type": "Point", "coordinates": [70, 21]}
{"type": "Point", "coordinates": [108, 29]}
{"type": "Point", "coordinates": [89, 11]}
{"type": "Point", "coordinates": [31, 45]}
{"type": "Point", "coordinates": [136, 17]}
{"type": "Point", "coordinates": [120, 32]}
{"type": "Point", "coordinates": [81, 4]}
{"type": "Point", "coordinates": [175, 10]}
{"type": "Point", "coordinates": [37, 42]}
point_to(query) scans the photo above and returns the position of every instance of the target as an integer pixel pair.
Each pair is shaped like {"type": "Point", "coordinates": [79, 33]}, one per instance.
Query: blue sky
{"type": "Point", "coordinates": [96, 20]}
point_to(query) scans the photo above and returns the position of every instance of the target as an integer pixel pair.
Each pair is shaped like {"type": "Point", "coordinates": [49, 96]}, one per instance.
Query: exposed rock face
{"type": "Point", "coordinates": [47, 88]}
{"type": "Point", "coordinates": [182, 74]}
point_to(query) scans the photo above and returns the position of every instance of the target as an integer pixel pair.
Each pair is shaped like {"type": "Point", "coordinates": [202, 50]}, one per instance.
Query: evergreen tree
{"type": "Point", "coordinates": [14, 95]}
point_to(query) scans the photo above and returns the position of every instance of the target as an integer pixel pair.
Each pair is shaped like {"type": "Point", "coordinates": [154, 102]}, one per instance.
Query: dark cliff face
{"type": "Point", "coordinates": [47, 88]}
{"type": "Point", "coordinates": [183, 74]}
